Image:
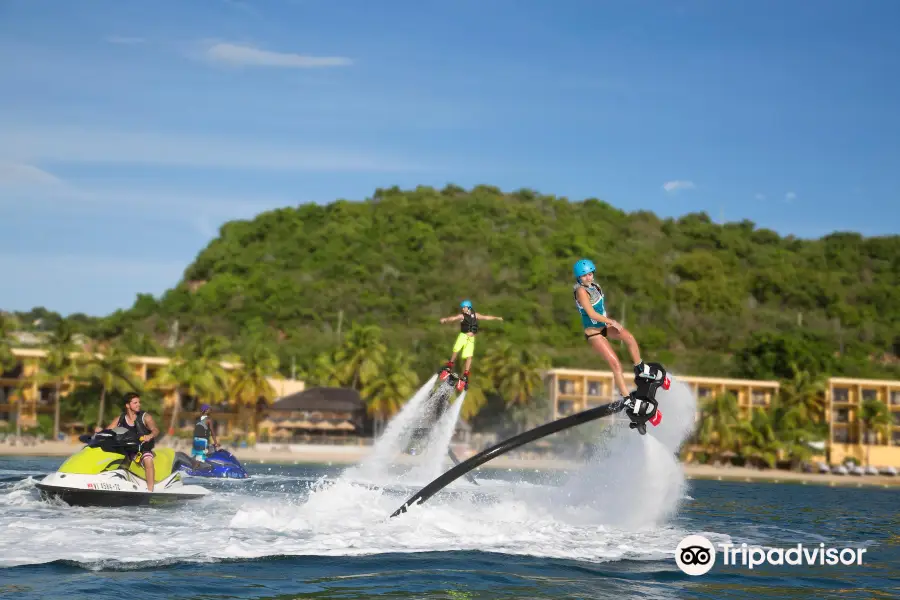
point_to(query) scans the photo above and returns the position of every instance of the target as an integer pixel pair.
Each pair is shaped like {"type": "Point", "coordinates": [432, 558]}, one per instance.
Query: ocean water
{"type": "Point", "coordinates": [300, 531]}
{"type": "Point", "coordinates": [610, 528]}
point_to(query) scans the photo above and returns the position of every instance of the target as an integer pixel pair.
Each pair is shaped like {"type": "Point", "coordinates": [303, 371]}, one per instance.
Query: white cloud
{"type": "Point", "coordinates": [17, 174]}
{"type": "Point", "coordinates": [101, 283]}
{"type": "Point", "coordinates": [760, 197]}
{"type": "Point", "coordinates": [43, 193]}
{"type": "Point", "coordinates": [790, 196]}
{"type": "Point", "coordinates": [674, 186]}
{"type": "Point", "coordinates": [67, 144]}
{"type": "Point", "coordinates": [176, 203]}
{"type": "Point", "coordinates": [204, 211]}
{"type": "Point", "coordinates": [121, 39]}
{"type": "Point", "coordinates": [249, 56]}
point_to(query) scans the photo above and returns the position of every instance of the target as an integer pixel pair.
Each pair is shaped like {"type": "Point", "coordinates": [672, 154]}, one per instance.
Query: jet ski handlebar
{"type": "Point", "coordinates": [117, 438]}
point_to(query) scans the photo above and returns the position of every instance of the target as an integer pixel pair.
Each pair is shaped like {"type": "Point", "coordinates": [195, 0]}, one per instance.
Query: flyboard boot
{"type": "Point", "coordinates": [462, 382]}
{"type": "Point", "coordinates": [445, 371]}
{"type": "Point", "coordinates": [641, 404]}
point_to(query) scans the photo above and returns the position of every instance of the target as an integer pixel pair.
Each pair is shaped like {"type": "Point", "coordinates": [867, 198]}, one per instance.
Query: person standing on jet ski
{"type": "Point", "coordinates": [142, 424]}
{"type": "Point", "coordinates": [203, 433]}
{"type": "Point", "coordinates": [465, 341]}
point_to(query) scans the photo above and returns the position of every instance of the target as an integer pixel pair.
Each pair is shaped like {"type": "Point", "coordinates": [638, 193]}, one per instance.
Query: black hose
{"type": "Point", "coordinates": [505, 446]}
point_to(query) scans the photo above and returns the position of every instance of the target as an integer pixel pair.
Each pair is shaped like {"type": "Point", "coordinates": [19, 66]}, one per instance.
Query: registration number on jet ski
{"type": "Point", "coordinates": [104, 486]}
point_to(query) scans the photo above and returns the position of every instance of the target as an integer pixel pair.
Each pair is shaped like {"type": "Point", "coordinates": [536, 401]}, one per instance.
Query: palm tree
{"type": "Point", "coordinates": [476, 396]}
{"type": "Point", "coordinates": [516, 372]}
{"type": "Point", "coordinates": [875, 419]}
{"type": "Point", "coordinates": [23, 385]}
{"type": "Point", "coordinates": [61, 365]}
{"type": "Point", "coordinates": [361, 355]}
{"type": "Point", "coordinates": [795, 431]}
{"type": "Point", "coordinates": [112, 371]}
{"type": "Point", "coordinates": [759, 441]}
{"type": "Point", "coordinates": [7, 359]}
{"type": "Point", "coordinates": [141, 344]}
{"type": "Point", "coordinates": [390, 387]}
{"type": "Point", "coordinates": [249, 382]}
{"type": "Point", "coordinates": [718, 423]}
{"type": "Point", "coordinates": [195, 369]}
{"type": "Point", "coordinates": [806, 391]}
{"type": "Point", "coordinates": [326, 372]}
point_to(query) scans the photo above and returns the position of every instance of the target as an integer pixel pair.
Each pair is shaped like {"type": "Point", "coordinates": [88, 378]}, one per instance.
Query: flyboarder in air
{"type": "Point", "coordinates": [599, 329]}
{"type": "Point", "coordinates": [640, 405]}
{"type": "Point", "coordinates": [465, 341]}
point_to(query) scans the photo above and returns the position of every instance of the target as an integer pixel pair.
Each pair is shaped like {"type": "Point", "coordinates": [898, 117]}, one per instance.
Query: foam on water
{"type": "Point", "coordinates": [635, 481]}
{"type": "Point", "coordinates": [613, 508]}
{"type": "Point", "coordinates": [437, 444]}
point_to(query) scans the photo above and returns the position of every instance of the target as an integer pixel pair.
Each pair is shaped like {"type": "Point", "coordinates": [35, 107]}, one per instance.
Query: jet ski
{"type": "Point", "coordinates": [220, 464]}
{"type": "Point", "coordinates": [101, 474]}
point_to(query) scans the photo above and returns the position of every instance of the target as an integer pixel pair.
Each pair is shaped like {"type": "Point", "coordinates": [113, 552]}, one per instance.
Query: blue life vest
{"type": "Point", "coordinates": [595, 293]}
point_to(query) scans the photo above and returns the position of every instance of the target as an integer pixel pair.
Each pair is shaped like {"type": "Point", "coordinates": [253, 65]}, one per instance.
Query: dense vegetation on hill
{"type": "Point", "coordinates": [703, 298]}
{"type": "Point", "coordinates": [351, 293]}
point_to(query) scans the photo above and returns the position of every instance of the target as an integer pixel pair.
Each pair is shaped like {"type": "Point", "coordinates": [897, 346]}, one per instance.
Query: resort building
{"type": "Point", "coordinates": [24, 384]}
{"type": "Point", "coordinates": [844, 399]}
{"type": "Point", "coordinates": [574, 390]}
{"type": "Point", "coordinates": [314, 415]}
{"type": "Point", "coordinates": [330, 412]}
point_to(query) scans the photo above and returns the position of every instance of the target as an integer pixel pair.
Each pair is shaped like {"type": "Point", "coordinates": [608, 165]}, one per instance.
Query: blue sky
{"type": "Point", "coordinates": [131, 130]}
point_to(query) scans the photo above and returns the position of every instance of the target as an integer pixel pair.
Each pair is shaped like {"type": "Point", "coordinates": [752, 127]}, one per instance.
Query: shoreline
{"type": "Point", "coordinates": [349, 455]}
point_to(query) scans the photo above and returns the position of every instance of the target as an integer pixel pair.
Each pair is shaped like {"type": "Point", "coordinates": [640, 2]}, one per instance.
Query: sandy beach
{"type": "Point", "coordinates": [348, 455]}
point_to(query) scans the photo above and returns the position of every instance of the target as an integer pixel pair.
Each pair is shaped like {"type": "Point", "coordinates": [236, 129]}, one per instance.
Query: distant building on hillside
{"type": "Point", "coordinates": [38, 395]}
{"type": "Point", "coordinates": [318, 411]}
{"type": "Point", "coordinates": [843, 400]}
{"type": "Point", "coordinates": [575, 390]}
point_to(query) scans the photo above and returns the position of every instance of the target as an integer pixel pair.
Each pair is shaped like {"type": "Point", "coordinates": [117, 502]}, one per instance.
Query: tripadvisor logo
{"type": "Point", "coordinates": [696, 555]}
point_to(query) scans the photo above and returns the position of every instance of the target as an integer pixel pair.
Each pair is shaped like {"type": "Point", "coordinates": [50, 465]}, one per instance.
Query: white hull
{"type": "Point", "coordinates": [116, 488]}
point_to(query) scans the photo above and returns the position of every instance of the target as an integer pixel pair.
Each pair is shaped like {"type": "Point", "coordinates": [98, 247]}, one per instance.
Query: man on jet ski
{"type": "Point", "coordinates": [203, 433]}
{"type": "Point", "coordinates": [142, 423]}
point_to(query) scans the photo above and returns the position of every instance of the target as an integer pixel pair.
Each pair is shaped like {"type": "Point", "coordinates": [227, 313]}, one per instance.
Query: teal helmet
{"type": "Point", "coordinates": [466, 304]}
{"type": "Point", "coordinates": [583, 267]}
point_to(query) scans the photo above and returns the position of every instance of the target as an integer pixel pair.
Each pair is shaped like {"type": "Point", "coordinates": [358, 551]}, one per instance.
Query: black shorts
{"type": "Point", "coordinates": [602, 332]}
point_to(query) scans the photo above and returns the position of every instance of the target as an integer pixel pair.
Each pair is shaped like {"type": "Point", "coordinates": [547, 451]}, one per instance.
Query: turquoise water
{"type": "Point", "coordinates": [301, 532]}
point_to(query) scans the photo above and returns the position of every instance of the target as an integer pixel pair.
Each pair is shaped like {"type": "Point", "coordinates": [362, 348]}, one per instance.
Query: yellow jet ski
{"type": "Point", "coordinates": [101, 474]}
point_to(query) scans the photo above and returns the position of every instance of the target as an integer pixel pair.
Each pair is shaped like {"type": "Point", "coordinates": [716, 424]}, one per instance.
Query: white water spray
{"type": "Point", "coordinates": [416, 416]}
{"type": "Point", "coordinates": [435, 455]}
{"type": "Point", "coordinates": [633, 481]}
{"type": "Point", "coordinates": [396, 436]}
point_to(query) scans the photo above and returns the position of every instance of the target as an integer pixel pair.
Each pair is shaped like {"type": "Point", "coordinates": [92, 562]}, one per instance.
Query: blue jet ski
{"type": "Point", "coordinates": [220, 464]}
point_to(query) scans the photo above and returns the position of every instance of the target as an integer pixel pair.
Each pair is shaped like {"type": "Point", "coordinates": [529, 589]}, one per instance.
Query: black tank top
{"type": "Point", "coordinates": [469, 323]}
{"type": "Point", "coordinates": [138, 428]}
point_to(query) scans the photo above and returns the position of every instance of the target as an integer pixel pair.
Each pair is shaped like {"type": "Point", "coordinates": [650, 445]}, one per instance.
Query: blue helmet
{"type": "Point", "coordinates": [466, 304]}
{"type": "Point", "coordinates": [583, 267]}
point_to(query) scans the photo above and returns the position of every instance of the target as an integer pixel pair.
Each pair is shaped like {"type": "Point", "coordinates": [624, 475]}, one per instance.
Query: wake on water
{"type": "Point", "coordinates": [615, 506]}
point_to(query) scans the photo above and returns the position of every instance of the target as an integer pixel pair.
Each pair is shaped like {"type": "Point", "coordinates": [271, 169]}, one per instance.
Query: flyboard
{"type": "Point", "coordinates": [438, 403]}
{"type": "Point", "coordinates": [641, 407]}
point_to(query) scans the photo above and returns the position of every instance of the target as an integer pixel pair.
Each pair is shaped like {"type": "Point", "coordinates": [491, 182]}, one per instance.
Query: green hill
{"type": "Point", "coordinates": [707, 299]}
